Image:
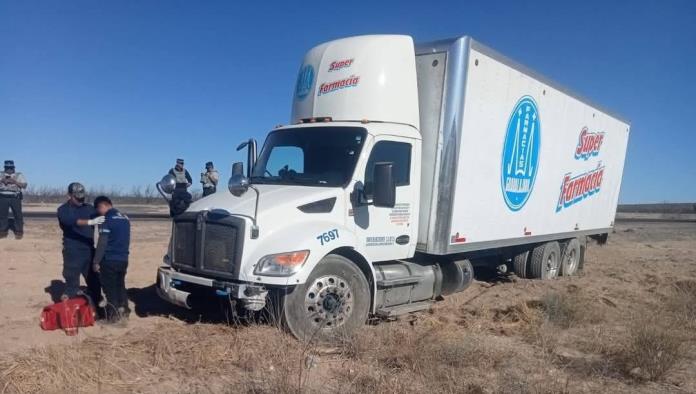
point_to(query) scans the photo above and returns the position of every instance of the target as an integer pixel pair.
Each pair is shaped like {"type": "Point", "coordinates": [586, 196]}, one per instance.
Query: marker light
{"type": "Point", "coordinates": [316, 119]}
{"type": "Point", "coordinates": [282, 264]}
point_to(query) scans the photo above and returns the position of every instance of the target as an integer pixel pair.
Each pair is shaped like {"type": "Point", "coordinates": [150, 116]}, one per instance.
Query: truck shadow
{"type": "Point", "coordinates": [216, 310]}
{"type": "Point", "coordinates": [207, 310]}
{"type": "Point", "coordinates": [492, 276]}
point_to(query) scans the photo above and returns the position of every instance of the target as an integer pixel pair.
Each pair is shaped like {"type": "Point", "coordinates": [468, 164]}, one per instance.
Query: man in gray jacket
{"type": "Point", "coordinates": [12, 184]}
{"type": "Point", "coordinates": [209, 179]}
{"type": "Point", "coordinates": [182, 176]}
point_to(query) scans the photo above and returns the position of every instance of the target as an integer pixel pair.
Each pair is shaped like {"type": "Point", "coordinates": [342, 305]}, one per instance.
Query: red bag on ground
{"type": "Point", "coordinates": [68, 315]}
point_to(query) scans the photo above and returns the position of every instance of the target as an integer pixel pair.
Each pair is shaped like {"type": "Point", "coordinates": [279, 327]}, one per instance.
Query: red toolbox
{"type": "Point", "coordinates": [68, 315]}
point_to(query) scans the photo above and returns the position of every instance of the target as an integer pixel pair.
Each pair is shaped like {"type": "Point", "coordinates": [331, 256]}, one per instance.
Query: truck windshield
{"type": "Point", "coordinates": [311, 156]}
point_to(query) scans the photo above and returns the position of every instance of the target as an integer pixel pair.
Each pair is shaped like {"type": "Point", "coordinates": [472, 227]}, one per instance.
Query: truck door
{"type": "Point", "coordinates": [389, 233]}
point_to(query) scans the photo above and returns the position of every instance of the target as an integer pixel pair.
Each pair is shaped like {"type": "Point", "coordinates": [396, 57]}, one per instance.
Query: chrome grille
{"type": "Point", "coordinates": [185, 243]}
{"type": "Point", "coordinates": [208, 243]}
{"type": "Point", "coordinates": [220, 247]}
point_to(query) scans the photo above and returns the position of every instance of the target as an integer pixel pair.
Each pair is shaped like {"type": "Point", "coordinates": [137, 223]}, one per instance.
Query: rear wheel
{"type": "Point", "coordinates": [570, 261]}
{"type": "Point", "coordinates": [545, 261]}
{"type": "Point", "coordinates": [520, 264]}
{"type": "Point", "coordinates": [334, 301]}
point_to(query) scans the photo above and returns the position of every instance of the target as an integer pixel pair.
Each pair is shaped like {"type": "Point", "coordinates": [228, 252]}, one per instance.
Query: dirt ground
{"type": "Point", "coordinates": [627, 324]}
{"type": "Point", "coordinates": [31, 277]}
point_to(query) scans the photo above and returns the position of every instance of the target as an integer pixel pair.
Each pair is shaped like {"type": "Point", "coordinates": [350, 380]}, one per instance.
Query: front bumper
{"type": "Point", "coordinates": [175, 287]}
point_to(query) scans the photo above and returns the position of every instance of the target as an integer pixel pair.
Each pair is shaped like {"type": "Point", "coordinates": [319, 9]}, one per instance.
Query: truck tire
{"type": "Point", "coordinates": [570, 260]}
{"type": "Point", "coordinates": [334, 301]}
{"type": "Point", "coordinates": [583, 250]}
{"type": "Point", "coordinates": [545, 261]}
{"type": "Point", "coordinates": [520, 263]}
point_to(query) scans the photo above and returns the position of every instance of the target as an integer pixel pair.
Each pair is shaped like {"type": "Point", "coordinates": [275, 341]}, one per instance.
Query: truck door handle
{"type": "Point", "coordinates": [402, 239]}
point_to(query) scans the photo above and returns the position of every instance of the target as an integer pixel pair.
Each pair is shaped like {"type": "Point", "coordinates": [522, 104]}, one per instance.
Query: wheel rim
{"type": "Point", "coordinates": [329, 302]}
{"type": "Point", "coordinates": [571, 261]}
{"type": "Point", "coordinates": [551, 265]}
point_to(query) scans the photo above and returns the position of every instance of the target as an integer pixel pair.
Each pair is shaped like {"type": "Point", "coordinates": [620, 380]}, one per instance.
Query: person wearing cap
{"type": "Point", "coordinates": [181, 198]}
{"type": "Point", "coordinates": [182, 176]}
{"type": "Point", "coordinates": [11, 185]}
{"type": "Point", "coordinates": [209, 179]}
{"type": "Point", "coordinates": [111, 258]}
{"type": "Point", "coordinates": [77, 220]}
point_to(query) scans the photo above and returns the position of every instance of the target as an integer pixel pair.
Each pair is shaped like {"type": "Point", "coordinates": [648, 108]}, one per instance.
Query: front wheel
{"type": "Point", "coordinates": [335, 300]}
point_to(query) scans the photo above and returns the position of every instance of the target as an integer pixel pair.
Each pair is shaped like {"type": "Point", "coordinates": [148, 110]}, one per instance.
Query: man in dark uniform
{"type": "Point", "coordinates": [182, 176]}
{"type": "Point", "coordinates": [77, 220]}
{"type": "Point", "coordinates": [11, 185]}
{"type": "Point", "coordinates": [111, 258]}
{"type": "Point", "coordinates": [181, 198]}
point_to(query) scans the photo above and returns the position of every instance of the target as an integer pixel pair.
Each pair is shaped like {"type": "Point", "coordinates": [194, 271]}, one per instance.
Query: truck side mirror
{"type": "Point", "coordinates": [238, 183]}
{"type": "Point", "coordinates": [357, 196]}
{"type": "Point", "coordinates": [384, 185]}
{"type": "Point", "coordinates": [251, 154]}
{"type": "Point", "coordinates": [238, 168]}
{"type": "Point", "coordinates": [167, 184]}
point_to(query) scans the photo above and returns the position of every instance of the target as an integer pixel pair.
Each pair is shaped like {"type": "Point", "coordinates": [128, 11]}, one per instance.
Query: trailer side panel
{"type": "Point", "coordinates": [534, 162]}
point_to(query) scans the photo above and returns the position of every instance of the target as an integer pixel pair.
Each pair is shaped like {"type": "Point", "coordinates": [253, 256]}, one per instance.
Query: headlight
{"type": "Point", "coordinates": [282, 264]}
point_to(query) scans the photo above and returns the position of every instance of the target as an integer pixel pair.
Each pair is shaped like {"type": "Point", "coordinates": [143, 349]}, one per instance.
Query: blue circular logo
{"type": "Point", "coordinates": [305, 79]}
{"type": "Point", "coordinates": [521, 153]}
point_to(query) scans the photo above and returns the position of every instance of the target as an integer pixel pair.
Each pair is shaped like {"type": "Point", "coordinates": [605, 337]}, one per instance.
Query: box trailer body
{"type": "Point", "coordinates": [402, 164]}
{"type": "Point", "coordinates": [490, 176]}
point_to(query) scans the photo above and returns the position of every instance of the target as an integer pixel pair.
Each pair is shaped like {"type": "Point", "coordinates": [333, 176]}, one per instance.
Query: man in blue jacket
{"type": "Point", "coordinates": [111, 258]}
{"type": "Point", "coordinates": [77, 220]}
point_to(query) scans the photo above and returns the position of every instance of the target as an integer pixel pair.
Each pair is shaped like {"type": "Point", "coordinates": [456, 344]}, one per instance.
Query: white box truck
{"type": "Point", "coordinates": [403, 164]}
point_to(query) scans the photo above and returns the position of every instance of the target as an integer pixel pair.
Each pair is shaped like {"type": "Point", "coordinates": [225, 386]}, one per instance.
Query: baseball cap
{"type": "Point", "coordinates": [76, 189]}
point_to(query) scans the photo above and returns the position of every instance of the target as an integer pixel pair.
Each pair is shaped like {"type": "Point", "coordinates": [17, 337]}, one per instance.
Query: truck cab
{"type": "Point", "coordinates": [338, 189]}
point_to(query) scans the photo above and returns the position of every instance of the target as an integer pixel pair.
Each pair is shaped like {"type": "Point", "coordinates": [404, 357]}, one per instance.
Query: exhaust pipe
{"type": "Point", "coordinates": [171, 294]}
{"type": "Point", "coordinates": [175, 296]}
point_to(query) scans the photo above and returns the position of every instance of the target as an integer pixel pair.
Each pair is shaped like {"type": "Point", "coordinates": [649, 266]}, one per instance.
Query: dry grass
{"type": "Point", "coordinates": [570, 309]}
{"type": "Point", "coordinates": [395, 359]}
{"type": "Point", "coordinates": [382, 359]}
{"type": "Point", "coordinates": [173, 357]}
{"type": "Point", "coordinates": [649, 351]}
{"type": "Point", "coordinates": [433, 358]}
{"type": "Point", "coordinates": [646, 350]}
{"type": "Point", "coordinates": [548, 344]}
{"type": "Point", "coordinates": [512, 381]}
{"type": "Point", "coordinates": [654, 343]}
{"type": "Point", "coordinates": [682, 302]}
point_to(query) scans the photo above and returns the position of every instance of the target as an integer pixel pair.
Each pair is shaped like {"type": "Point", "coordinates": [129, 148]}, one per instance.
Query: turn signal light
{"type": "Point", "coordinates": [281, 264]}
{"type": "Point", "coordinates": [291, 259]}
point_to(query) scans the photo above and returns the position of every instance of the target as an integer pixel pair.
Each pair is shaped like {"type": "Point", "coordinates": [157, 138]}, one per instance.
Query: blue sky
{"type": "Point", "coordinates": [111, 93]}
